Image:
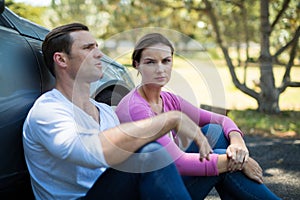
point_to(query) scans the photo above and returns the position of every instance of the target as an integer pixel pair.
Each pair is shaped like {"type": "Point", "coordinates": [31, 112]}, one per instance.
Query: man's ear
{"type": "Point", "coordinates": [60, 59]}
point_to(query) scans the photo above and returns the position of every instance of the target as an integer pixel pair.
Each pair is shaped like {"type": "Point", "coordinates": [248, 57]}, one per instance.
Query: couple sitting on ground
{"type": "Point", "coordinates": [164, 147]}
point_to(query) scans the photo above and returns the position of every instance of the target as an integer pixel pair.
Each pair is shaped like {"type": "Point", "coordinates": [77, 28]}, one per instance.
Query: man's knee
{"type": "Point", "coordinates": [150, 157]}
{"type": "Point", "coordinates": [150, 147]}
{"type": "Point", "coordinates": [154, 152]}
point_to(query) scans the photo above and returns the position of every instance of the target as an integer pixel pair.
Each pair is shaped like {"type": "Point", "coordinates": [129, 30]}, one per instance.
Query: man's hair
{"type": "Point", "coordinates": [59, 40]}
{"type": "Point", "coordinates": [148, 40]}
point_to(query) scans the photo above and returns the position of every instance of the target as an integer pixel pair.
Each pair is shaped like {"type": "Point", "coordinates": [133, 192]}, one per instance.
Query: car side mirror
{"type": "Point", "coordinates": [1, 6]}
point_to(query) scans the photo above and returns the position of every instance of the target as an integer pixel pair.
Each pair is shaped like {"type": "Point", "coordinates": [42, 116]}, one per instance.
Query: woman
{"type": "Point", "coordinates": [153, 58]}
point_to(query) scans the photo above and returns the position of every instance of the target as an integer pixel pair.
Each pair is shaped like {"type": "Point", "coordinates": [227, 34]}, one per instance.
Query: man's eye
{"type": "Point", "coordinates": [150, 62]}
{"type": "Point", "coordinates": [89, 47]}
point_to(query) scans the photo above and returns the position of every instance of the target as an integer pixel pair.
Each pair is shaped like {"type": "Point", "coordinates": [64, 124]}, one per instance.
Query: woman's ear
{"type": "Point", "coordinates": [137, 67]}
{"type": "Point", "coordinates": [136, 64]}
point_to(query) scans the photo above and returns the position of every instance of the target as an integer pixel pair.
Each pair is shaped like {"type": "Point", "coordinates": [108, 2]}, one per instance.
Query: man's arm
{"type": "Point", "coordinates": [120, 142]}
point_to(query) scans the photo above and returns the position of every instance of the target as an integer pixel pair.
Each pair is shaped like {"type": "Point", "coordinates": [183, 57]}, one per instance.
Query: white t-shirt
{"type": "Point", "coordinates": [61, 145]}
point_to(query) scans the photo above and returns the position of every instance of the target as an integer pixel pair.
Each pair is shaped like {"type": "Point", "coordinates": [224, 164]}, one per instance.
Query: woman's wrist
{"type": "Point", "coordinates": [222, 163]}
{"type": "Point", "coordinates": [236, 138]}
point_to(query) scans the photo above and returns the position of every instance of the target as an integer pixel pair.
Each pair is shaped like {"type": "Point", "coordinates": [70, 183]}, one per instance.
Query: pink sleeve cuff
{"type": "Point", "coordinates": [188, 164]}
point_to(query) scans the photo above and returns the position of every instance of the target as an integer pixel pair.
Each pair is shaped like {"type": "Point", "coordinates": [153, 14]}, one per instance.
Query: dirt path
{"type": "Point", "coordinates": [280, 159]}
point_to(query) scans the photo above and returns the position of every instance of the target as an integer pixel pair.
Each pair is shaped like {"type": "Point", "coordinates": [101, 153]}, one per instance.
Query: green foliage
{"type": "Point", "coordinates": [238, 23]}
{"type": "Point", "coordinates": [26, 11]}
{"type": "Point", "coordinates": [214, 54]}
{"type": "Point", "coordinates": [253, 122]}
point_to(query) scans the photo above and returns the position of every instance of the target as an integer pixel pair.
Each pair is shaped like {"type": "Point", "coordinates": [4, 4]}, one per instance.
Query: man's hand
{"type": "Point", "coordinates": [204, 148]}
{"type": "Point", "coordinates": [191, 130]}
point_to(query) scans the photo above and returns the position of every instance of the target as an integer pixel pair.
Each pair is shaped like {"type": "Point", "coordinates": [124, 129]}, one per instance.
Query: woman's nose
{"type": "Point", "coordinates": [160, 67]}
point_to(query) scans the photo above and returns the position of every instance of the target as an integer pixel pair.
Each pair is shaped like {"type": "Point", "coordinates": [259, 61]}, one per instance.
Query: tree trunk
{"type": "Point", "coordinates": [269, 95]}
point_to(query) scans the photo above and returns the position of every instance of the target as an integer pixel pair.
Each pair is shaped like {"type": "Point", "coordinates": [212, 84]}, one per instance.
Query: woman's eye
{"type": "Point", "coordinates": [167, 61]}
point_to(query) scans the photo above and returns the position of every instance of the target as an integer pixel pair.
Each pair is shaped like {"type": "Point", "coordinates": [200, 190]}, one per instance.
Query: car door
{"type": "Point", "coordinates": [20, 85]}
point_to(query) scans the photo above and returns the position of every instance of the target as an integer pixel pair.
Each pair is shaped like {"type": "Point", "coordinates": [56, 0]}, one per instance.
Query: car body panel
{"type": "Point", "coordinates": [23, 78]}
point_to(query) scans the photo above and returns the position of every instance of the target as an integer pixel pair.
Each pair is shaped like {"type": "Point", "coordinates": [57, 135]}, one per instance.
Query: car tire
{"type": "Point", "coordinates": [109, 97]}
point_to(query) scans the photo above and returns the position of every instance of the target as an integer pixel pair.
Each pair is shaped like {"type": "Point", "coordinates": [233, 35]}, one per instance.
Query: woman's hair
{"type": "Point", "coordinates": [147, 41]}
{"type": "Point", "coordinates": [59, 40]}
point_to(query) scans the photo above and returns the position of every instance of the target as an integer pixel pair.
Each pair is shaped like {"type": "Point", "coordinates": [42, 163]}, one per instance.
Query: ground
{"type": "Point", "coordinates": [280, 159]}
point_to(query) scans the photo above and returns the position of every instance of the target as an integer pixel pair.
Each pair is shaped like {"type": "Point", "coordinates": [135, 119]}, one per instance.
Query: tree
{"type": "Point", "coordinates": [268, 96]}
{"type": "Point", "coordinates": [235, 22]}
{"type": "Point", "coordinates": [29, 12]}
{"type": "Point", "coordinates": [274, 24]}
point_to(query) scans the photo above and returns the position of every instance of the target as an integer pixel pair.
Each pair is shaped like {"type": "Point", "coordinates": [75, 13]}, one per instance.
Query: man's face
{"type": "Point", "coordinates": [84, 59]}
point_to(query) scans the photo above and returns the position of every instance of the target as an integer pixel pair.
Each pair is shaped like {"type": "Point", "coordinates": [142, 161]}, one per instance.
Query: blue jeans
{"type": "Point", "coordinates": [231, 185]}
{"type": "Point", "coordinates": [142, 176]}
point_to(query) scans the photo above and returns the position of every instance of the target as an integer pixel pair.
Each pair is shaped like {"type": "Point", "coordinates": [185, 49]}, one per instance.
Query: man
{"type": "Point", "coordinates": [75, 147]}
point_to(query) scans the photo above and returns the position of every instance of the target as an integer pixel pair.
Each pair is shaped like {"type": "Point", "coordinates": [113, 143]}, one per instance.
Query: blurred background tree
{"type": "Point", "coordinates": [262, 33]}
{"type": "Point", "coordinates": [27, 11]}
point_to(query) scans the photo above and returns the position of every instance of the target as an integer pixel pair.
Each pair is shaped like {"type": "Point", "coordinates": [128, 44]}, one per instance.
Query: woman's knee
{"type": "Point", "coordinates": [212, 128]}
{"type": "Point", "coordinates": [215, 135]}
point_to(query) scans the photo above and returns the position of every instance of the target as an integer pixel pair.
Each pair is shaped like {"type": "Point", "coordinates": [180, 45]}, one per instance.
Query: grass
{"type": "Point", "coordinates": [285, 124]}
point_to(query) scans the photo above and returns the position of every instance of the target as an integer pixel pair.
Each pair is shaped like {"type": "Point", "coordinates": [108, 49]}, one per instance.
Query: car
{"type": "Point", "coordinates": [23, 78]}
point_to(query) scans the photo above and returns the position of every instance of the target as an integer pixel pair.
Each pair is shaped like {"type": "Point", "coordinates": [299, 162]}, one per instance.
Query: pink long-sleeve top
{"type": "Point", "coordinates": [134, 107]}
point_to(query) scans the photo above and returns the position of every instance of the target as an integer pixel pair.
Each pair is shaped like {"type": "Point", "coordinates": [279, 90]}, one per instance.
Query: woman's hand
{"type": "Point", "coordinates": [238, 156]}
{"type": "Point", "coordinates": [253, 170]}
{"type": "Point", "coordinates": [237, 152]}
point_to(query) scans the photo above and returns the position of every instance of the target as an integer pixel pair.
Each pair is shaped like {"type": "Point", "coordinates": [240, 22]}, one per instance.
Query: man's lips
{"type": "Point", "coordinates": [99, 65]}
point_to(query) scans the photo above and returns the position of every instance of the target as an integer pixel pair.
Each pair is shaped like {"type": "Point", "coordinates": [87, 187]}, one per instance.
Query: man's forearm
{"type": "Point", "coordinates": [120, 142]}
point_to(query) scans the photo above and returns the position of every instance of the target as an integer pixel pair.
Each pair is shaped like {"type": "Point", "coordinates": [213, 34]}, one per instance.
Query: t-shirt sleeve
{"type": "Point", "coordinates": [65, 135]}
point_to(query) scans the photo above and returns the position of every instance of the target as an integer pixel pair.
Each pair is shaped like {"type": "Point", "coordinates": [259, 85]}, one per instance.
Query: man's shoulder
{"type": "Point", "coordinates": [48, 103]}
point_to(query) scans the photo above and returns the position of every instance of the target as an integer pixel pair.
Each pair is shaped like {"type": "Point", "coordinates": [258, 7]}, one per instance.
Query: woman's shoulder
{"type": "Point", "coordinates": [132, 98]}
{"type": "Point", "coordinates": [169, 96]}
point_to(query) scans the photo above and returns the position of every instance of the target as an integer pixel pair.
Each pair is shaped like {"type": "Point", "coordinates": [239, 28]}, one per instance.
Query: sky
{"type": "Point", "coordinates": [35, 2]}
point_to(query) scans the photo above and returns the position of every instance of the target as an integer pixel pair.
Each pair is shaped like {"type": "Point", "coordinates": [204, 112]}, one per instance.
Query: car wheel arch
{"type": "Point", "coordinates": [112, 95]}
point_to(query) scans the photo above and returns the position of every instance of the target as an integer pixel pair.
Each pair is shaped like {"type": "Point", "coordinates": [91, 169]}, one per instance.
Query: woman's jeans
{"type": "Point", "coordinates": [148, 174]}
{"type": "Point", "coordinates": [231, 185]}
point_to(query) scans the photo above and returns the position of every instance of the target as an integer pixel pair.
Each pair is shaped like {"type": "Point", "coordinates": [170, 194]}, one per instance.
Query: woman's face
{"type": "Point", "coordinates": [155, 65]}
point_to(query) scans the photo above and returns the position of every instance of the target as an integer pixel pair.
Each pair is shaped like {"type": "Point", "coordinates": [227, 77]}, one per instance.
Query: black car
{"type": "Point", "coordinates": [23, 78]}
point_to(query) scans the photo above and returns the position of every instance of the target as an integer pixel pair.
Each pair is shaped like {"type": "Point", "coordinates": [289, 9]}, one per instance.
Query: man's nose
{"type": "Point", "coordinates": [98, 53]}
